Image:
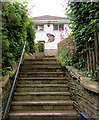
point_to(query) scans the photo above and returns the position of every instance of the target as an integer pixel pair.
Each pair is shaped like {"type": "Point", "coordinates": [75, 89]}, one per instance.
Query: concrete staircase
{"type": "Point", "coordinates": [41, 93]}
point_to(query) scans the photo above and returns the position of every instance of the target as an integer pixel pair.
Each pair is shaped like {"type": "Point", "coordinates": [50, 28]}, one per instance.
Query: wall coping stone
{"type": "Point", "coordinates": [29, 56]}
{"type": "Point", "coordinates": [5, 80]}
{"type": "Point", "coordinates": [85, 81]}
{"type": "Point", "coordinates": [0, 81]}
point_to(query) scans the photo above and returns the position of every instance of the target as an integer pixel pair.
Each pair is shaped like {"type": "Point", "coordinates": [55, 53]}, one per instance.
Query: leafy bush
{"type": "Point", "coordinates": [39, 46]}
{"type": "Point", "coordinates": [17, 28]}
{"type": "Point", "coordinates": [66, 54]}
{"type": "Point", "coordinates": [30, 36]}
{"type": "Point", "coordinates": [85, 24]}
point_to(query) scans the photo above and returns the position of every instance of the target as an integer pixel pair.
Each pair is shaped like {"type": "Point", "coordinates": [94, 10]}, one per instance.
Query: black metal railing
{"type": "Point", "coordinates": [6, 109]}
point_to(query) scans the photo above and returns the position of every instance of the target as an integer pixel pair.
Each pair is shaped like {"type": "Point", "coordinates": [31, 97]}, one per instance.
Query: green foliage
{"type": "Point", "coordinates": [66, 54]}
{"type": "Point", "coordinates": [89, 73]}
{"type": "Point", "coordinates": [30, 36]}
{"type": "Point", "coordinates": [17, 28]}
{"type": "Point", "coordinates": [84, 17]}
{"type": "Point", "coordinates": [64, 59]}
{"type": "Point", "coordinates": [39, 46]}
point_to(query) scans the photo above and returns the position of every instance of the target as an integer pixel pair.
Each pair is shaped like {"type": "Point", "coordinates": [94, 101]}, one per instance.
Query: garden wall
{"type": "Point", "coordinates": [0, 98]}
{"type": "Point", "coordinates": [6, 85]}
{"type": "Point", "coordinates": [84, 92]}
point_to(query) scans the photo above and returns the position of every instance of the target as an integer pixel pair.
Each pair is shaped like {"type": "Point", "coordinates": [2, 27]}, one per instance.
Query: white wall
{"type": "Point", "coordinates": [41, 36]}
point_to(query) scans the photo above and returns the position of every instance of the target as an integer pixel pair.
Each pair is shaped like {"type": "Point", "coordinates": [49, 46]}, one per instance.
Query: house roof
{"type": "Point", "coordinates": [48, 17]}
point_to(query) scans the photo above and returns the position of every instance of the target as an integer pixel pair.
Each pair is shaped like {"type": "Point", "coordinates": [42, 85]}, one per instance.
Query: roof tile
{"type": "Point", "coordinates": [48, 17]}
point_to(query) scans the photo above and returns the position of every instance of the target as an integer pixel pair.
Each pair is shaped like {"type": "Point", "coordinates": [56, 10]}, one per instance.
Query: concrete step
{"type": "Point", "coordinates": [40, 60]}
{"type": "Point", "coordinates": [44, 58]}
{"type": "Point", "coordinates": [38, 96]}
{"type": "Point", "coordinates": [41, 105]}
{"type": "Point", "coordinates": [42, 87]}
{"type": "Point", "coordinates": [41, 93]}
{"type": "Point", "coordinates": [44, 115]}
{"type": "Point", "coordinates": [42, 80]}
{"type": "Point", "coordinates": [41, 74]}
{"type": "Point", "coordinates": [40, 64]}
{"type": "Point", "coordinates": [43, 69]}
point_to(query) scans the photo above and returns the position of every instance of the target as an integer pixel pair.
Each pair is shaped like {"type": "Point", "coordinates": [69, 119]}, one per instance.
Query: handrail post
{"type": "Point", "coordinates": [14, 82]}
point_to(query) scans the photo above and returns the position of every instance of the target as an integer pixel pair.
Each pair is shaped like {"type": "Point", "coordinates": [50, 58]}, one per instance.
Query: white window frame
{"type": "Point", "coordinates": [40, 27]}
{"type": "Point", "coordinates": [58, 27]}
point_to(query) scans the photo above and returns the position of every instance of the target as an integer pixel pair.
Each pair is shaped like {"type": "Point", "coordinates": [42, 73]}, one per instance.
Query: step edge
{"type": "Point", "coordinates": [53, 102]}
{"type": "Point", "coordinates": [42, 93]}
{"type": "Point", "coordinates": [69, 113]}
{"type": "Point", "coordinates": [42, 85]}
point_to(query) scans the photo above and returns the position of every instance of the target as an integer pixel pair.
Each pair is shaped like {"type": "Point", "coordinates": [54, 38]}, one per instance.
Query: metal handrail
{"type": "Point", "coordinates": [83, 116]}
{"type": "Point", "coordinates": [14, 82]}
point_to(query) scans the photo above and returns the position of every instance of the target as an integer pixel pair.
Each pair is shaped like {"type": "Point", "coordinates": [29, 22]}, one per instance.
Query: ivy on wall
{"type": "Point", "coordinates": [84, 17]}
{"type": "Point", "coordinates": [17, 27]}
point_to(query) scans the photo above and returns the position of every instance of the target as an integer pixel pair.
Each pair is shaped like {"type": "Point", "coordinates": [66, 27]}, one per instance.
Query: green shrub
{"type": "Point", "coordinates": [17, 28]}
{"type": "Point", "coordinates": [84, 18]}
{"type": "Point", "coordinates": [66, 54]}
{"type": "Point", "coordinates": [39, 46]}
{"type": "Point", "coordinates": [85, 25]}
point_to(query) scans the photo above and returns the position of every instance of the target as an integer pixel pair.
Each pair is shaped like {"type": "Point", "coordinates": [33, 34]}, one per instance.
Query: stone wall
{"type": "Point", "coordinates": [84, 92]}
{"type": "Point", "coordinates": [6, 85]}
{"type": "Point", "coordinates": [0, 98]}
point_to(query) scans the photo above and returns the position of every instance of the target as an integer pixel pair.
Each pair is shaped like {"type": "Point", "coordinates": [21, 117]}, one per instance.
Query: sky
{"type": "Point", "coordinates": [46, 7]}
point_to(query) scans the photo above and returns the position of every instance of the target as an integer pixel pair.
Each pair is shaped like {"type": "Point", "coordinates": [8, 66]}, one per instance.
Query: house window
{"type": "Point", "coordinates": [61, 26]}
{"type": "Point", "coordinates": [55, 27]}
{"type": "Point", "coordinates": [41, 27]}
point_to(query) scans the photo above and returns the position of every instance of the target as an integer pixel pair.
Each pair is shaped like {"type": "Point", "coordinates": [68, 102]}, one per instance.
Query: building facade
{"type": "Point", "coordinates": [48, 31]}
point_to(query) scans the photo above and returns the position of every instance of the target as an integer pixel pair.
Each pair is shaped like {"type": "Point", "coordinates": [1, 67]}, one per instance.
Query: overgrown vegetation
{"type": "Point", "coordinates": [17, 28]}
{"type": "Point", "coordinates": [39, 46]}
{"type": "Point", "coordinates": [85, 26]}
{"type": "Point", "coordinates": [84, 18]}
{"type": "Point", "coordinates": [66, 53]}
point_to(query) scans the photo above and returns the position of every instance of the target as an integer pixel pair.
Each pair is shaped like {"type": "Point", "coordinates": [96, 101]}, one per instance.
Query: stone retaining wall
{"type": "Point", "coordinates": [0, 98]}
{"type": "Point", "coordinates": [84, 92]}
{"type": "Point", "coordinates": [6, 85]}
